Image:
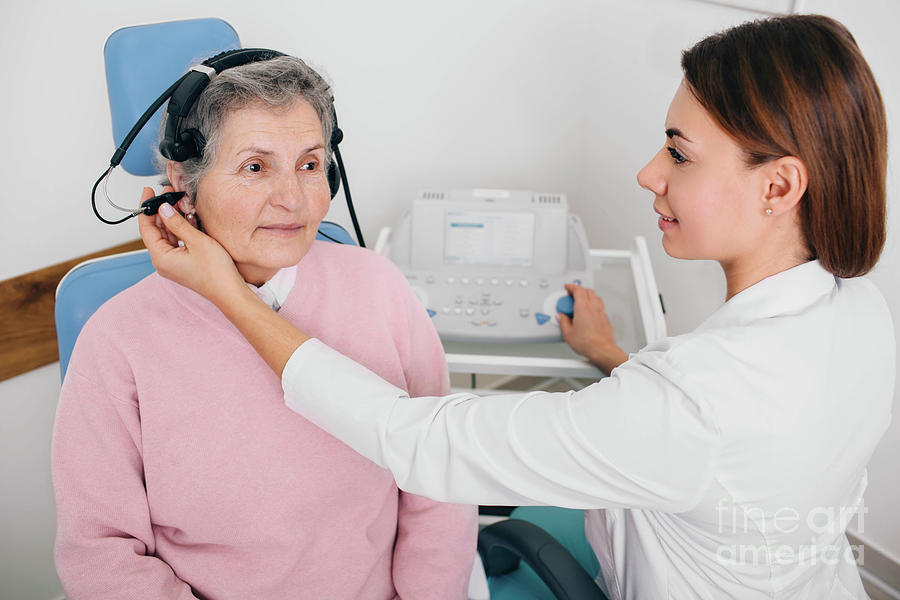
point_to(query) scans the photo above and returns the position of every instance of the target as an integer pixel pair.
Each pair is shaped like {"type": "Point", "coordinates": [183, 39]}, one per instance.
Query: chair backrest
{"type": "Point", "coordinates": [87, 286]}
{"type": "Point", "coordinates": [144, 60]}
{"type": "Point", "coordinates": [332, 232]}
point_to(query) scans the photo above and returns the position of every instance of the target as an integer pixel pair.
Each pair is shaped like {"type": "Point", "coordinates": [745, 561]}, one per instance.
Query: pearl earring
{"type": "Point", "coordinates": [768, 211]}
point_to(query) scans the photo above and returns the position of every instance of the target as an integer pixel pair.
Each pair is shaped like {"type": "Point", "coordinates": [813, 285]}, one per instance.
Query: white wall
{"type": "Point", "coordinates": [553, 96]}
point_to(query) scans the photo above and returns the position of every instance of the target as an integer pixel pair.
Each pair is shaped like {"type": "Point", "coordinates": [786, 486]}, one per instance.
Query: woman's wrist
{"type": "Point", "coordinates": [273, 337]}
{"type": "Point", "coordinates": [237, 302]}
{"type": "Point", "coordinates": [609, 358]}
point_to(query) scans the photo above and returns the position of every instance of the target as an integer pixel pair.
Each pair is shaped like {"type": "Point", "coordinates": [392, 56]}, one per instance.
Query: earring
{"type": "Point", "coordinates": [768, 211]}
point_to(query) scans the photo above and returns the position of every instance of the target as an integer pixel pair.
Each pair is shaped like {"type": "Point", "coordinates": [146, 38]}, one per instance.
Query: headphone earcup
{"type": "Point", "coordinates": [193, 142]}
{"type": "Point", "coordinates": [190, 143]}
{"type": "Point", "coordinates": [334, 178]}
{"type": "Point", "coordinates": [334, 175]}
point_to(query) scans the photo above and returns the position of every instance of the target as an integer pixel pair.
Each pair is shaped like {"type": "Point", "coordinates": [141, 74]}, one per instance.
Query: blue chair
{"type": "Point", "coordinates": [86, 287]}
{"type": "Point", "coordinates": [144, 60]}
{"type": "Point", "coordinates": [141, 62]}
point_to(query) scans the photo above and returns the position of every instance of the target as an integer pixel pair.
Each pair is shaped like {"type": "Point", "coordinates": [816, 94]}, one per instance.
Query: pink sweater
{"type": "Point", "coordinates": [180, 473]}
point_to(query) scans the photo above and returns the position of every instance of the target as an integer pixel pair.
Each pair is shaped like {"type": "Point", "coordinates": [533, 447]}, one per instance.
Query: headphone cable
{"type": "Point", "coordinates": [340, 162]}
{"type": "Point", "coordinates": [94, 200]}
{"type": "Point", "coordinates": [119, 154]}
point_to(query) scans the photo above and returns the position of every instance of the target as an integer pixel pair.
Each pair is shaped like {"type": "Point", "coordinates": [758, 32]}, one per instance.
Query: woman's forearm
{"type": "Point", "coordinates": [270, 334]}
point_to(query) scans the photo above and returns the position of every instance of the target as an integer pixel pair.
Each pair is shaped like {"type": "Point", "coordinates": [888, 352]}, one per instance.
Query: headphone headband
{"type": "Point", "coordinates": [239, 57]}
{"type": "Point", "coordinates": [180, 145]}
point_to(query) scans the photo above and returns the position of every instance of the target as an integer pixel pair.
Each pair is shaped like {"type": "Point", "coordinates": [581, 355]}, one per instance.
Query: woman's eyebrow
{"type": "Point", "coordinates": [255, 150]}
{"type": "Point", "coordinates": [266, 152]}
{"type": "Point", "coordinates": [674, 131]}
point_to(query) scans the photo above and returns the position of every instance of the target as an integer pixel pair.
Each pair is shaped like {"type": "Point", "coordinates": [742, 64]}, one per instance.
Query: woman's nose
{"type": "Point", "coordinates": [291, 192]}
{"type": "Point", "coordinates": [653, 176]}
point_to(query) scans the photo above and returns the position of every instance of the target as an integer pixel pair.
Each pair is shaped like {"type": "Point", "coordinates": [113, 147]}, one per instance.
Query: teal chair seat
{"type": "Point", "coordinates": [540, 553]}
{"type": "Point", "coordinates": [567, 527]}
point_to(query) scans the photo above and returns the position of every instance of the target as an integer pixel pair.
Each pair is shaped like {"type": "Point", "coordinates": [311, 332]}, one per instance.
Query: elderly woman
{"type": "Point", "coordinates": [178, 470]}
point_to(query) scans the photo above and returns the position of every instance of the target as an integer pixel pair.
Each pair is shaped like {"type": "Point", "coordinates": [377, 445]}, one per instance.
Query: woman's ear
{"type": "Point", "coordinates": [787, 180]}
{"type": "Point", "coordinates": [173, 172]}
{"type": "Point", "coordinates": [186, 205]}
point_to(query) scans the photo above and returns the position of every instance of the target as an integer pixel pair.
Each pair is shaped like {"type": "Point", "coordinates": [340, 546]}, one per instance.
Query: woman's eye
{"type": "Point", "coordinates": [310, 166]}
{"type": "Point", "coordinates": [676, 155]}
{"type": "Point", "coordinates": [253, 167]}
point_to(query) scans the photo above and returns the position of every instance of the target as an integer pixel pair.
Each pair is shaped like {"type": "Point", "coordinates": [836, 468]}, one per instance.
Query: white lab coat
{"type": "Point", "coordinates": [722, 463]}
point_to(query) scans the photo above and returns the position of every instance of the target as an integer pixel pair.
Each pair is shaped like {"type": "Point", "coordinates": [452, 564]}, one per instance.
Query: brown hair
{"type": "Point", "coordinates": [799, 86]}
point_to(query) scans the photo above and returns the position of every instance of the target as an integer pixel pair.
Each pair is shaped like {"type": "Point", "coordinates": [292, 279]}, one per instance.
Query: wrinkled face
{"type": "Point", "coordinates": [706, 197]}
{"type": "Point", "coordinates": [267, 192]}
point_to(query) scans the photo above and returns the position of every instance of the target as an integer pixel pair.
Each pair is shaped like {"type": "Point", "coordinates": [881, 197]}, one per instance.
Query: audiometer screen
{"type": "Point", "coordinates": [489, 238]}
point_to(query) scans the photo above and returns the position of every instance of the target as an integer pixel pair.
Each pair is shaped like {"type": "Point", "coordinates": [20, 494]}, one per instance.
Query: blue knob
{"type": "Point", "coordinates": [566, 306]}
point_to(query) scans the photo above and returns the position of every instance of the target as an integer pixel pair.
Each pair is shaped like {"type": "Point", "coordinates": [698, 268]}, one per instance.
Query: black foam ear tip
{"type": "Point", "coordinates": [337, 136]}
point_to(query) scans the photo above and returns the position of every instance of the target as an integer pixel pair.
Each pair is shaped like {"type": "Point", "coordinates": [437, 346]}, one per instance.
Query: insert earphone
{"type": "Point", "coordinates": [180, 145]}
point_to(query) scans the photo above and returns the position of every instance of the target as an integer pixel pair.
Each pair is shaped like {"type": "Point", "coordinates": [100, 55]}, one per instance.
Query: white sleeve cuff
{"type": "Point", "coordinates": [341, 396]}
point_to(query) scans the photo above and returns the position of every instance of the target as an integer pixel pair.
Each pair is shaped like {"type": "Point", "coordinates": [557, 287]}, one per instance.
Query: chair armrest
{"type": "Point", "coordinates": [504, 543]}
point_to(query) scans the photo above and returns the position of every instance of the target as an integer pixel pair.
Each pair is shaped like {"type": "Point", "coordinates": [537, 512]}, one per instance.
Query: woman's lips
{"type": "Point", "coordinates": [285, 229]}
{"type": "Point", "coordinates": [666, 222]}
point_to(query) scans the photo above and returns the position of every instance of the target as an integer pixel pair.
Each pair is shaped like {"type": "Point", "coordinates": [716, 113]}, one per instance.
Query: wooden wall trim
{"type": "Point", "coordinates": [27, 328]}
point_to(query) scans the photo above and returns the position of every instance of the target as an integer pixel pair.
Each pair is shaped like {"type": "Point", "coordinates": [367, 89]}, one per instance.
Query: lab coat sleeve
{"type": "Point", "coordinates": [436, 541]}
{"type": "Point", "coordinates": [634, 439]}
{"type": "Point", "coordinates": [104, 539]}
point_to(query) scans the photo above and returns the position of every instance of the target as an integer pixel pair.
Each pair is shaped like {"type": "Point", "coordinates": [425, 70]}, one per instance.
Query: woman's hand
{"type": "Point", "coordinates": [204, 266]}
{"type": "Point", "coordinates": [200, 264]}
{"type": "Point", "coordinates": [589, 332]}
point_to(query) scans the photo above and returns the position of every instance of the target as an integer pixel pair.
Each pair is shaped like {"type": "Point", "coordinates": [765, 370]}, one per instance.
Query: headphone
{"type": "Point", "coordinates": [180, 145]}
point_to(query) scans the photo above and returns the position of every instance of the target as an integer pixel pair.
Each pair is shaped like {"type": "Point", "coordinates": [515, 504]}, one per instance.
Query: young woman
{"type": "Point", "coordinates": [721, 463]}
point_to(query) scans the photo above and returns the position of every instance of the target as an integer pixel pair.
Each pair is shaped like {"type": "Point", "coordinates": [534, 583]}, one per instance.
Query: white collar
{"type": "Point", "coordinates": [782, 293]}
{"type": "Point", "coordinates": [275, 291]}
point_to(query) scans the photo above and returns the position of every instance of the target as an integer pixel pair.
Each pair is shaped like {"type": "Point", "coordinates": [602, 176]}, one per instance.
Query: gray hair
{"type": "Point", "coordinates": [277, 82]}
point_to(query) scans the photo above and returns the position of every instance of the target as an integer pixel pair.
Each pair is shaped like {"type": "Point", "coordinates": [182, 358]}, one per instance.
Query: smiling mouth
{"type": "Point", "coordinates": [664, 217]}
